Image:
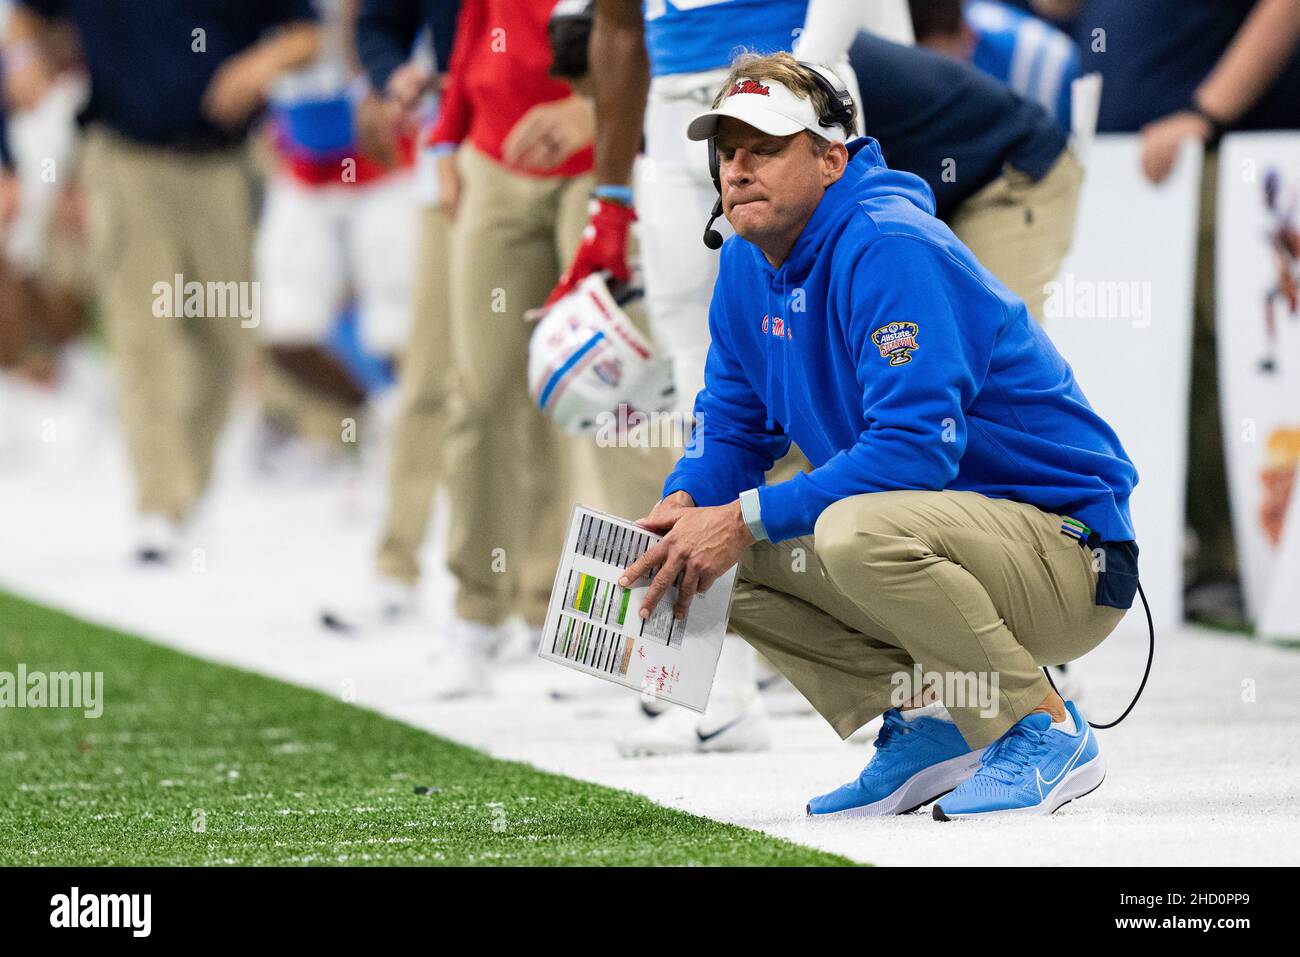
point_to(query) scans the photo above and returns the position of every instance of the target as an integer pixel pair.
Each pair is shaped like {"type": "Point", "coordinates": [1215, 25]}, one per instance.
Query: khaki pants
{"type": "Point", "coordinates": [955, 582]}
{"type": "Point", "coordinates": [510, 473]}
{"type": "Point", "coordinates": [424, 380]}
{"type": "Point", "coordinates": [153, 215]}
{"type": "Point", "coordinates": [1021, 230]}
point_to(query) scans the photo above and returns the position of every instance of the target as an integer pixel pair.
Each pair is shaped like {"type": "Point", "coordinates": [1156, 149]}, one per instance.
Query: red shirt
{"type": "Point", "coordinates": [498, 71]}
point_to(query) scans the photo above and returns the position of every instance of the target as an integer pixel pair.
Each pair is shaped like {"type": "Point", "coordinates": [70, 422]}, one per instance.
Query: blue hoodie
{"type": "Point", "coordinates": [896, 361]}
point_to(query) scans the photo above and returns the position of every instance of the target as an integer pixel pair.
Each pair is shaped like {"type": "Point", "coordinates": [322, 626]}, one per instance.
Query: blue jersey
{"type": "Point", "coordinates": [691, 36]}
{"type": "Point", "coordinates": [1035, 59]}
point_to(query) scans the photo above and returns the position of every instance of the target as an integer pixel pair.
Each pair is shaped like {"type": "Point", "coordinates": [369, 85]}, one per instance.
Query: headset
{"type": "Point", "coordinates": [840, 114]}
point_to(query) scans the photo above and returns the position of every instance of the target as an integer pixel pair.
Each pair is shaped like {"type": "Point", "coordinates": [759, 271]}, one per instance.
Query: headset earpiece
{"type": "Point", "coordinates": [841, 112]}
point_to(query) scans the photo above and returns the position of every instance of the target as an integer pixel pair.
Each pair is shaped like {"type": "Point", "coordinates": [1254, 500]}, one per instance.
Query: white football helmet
{"type": "Point", "coordinates": [587, 358]}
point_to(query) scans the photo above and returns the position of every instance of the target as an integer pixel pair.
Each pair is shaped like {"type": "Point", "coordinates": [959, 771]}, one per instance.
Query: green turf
{"type": "Point", "coordinates": [194, 763]}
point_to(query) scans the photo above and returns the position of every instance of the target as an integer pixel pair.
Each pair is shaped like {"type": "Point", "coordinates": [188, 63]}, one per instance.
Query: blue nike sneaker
{"type": "Point", "coordinates": [1032, 769]}
{"type": "Point", "coordinates": [915, 762]}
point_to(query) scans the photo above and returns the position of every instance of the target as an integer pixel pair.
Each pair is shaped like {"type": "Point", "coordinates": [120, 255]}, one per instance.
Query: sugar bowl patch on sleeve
{"type": "Point", "coordinates": [896, 341]}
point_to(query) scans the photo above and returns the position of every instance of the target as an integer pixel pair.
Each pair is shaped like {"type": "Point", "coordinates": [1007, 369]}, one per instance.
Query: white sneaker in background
{"type": "Point", "coordinates": [158, 540]}
{"type": "Point", "coordinates": [469, 650]}
{"type": "Point", "coordinates": [781, 698]}
{"type": "Point", "coordinates": [519, 646]}
{"type": "Point", "coordinates": [387, 602]}
{"type": "Point", "coordinates": [726, 726]}
{"type": "Point", "coordinates": [653, 707]}
{"type": "Point", "coordinates": [735, 720]}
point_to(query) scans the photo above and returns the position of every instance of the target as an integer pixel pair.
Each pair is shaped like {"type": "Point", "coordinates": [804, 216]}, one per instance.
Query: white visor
{"type": "Point", "coordinates": [767, 106]}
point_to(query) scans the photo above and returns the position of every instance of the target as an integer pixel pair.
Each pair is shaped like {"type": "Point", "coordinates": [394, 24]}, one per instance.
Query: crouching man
{"type": "Point", "coordinates": [966, 518]}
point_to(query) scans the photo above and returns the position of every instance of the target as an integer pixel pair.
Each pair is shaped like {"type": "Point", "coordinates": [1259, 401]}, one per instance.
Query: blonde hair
{"type": "Point", "coordinates": [784, 69]}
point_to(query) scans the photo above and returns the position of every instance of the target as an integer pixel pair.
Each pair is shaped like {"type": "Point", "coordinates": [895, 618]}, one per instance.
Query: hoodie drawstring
{"type": "Point", "coordinates": [768, 335]}
{"type": "Point", "coordinates": [785, 357]}
{"type": "Point", "coordinates": [767, 355]}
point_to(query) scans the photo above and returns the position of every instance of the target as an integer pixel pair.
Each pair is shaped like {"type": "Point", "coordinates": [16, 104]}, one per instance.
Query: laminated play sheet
{"type": "Point", "coordinates": [593, 625]}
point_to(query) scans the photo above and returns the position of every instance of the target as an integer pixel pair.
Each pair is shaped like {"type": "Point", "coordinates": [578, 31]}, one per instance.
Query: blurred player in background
{"type": "Point", "coordinates": [518, 189]}
{"type": "Point", "coordinates": [10, 307]}
{"type": "Point", "coordinates": [1031, 56]}
{"type": "Point", "coordinates": [337, 224]}
{"type": "Point", "coordinates": [403, 46]}
{"type": "Point", "coordinates": [44, 276]}
{"type": "Point", "coordinates": [653, 65]}
{"type": "Point", "coordinates": [168, 196]}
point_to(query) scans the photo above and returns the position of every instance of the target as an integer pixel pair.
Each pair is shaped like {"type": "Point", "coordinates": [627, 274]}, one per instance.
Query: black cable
{"type": "Point", "coordinates": [1151, 653]}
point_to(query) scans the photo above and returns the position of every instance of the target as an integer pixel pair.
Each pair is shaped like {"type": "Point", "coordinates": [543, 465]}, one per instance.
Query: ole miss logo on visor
{"type": "Point", "coordinates": [896, 341]}
{"type": "Point", "coordinates": [748, 86]}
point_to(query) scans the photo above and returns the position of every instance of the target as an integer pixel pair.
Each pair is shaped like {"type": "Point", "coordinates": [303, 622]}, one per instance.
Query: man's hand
{"type": "Point", "coordinates": [449, 185]}
{"type": "Point", "coordinates": [381, 119]}
{"type": "Point", "coordinates": [1057, 10]}
{"type": "Point", "coordinates": [1162, 139]}
{"type": "Point", "coordinates": [377, 124]}
{"type": "Point", "coordinates": [27, 77]}
{"type": "Point", "coordinates": [8, 197]}
{"type": "Point", "coordinates": [241, 84]}
{"type": "Point", "coordinates": [549, 133]}
{"type": "Point", "coordinates": [700, 546]}
{"type": "Point", "coordinates": [239, 87]}
{"type": "Point", "coordinates": [407, 84]}
{"type": "Point", "coordinates": [665, 514]}
{"type": "Point", "coordinates": [603, 248]}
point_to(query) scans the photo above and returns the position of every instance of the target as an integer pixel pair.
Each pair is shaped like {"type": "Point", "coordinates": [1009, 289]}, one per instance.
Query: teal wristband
{"type": "Point", "coordinates": [615, 194]}
{"type": "Point", "coordinates": [750, 513]}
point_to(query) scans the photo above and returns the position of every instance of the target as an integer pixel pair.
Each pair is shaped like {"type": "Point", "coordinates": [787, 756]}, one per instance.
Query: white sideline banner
{"type": "Point", "coordinates": [1121, 314]}
{"type": "Point", "coordinates": [1258, 334]}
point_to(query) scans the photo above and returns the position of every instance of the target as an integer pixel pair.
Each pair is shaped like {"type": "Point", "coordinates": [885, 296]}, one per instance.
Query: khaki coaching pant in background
{"type": "Point", "coordinates": [953, 581]}
{"type": "Point", "coordinates": [155, 214]}
{"type": "Point", "coordinates": [509, 472]}
{"type": "Point", "coordinates": [1021, 230]}
{"type": "Point", "coordinates": [424, 381]}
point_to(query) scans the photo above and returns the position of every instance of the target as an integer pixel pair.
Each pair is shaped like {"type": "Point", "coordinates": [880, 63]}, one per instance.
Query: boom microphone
{"type": "Point", "coordinates": [713, 238]}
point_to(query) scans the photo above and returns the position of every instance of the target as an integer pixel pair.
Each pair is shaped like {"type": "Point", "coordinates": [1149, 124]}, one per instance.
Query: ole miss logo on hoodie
{"type": "Point", "coordinates": [777, 327]}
